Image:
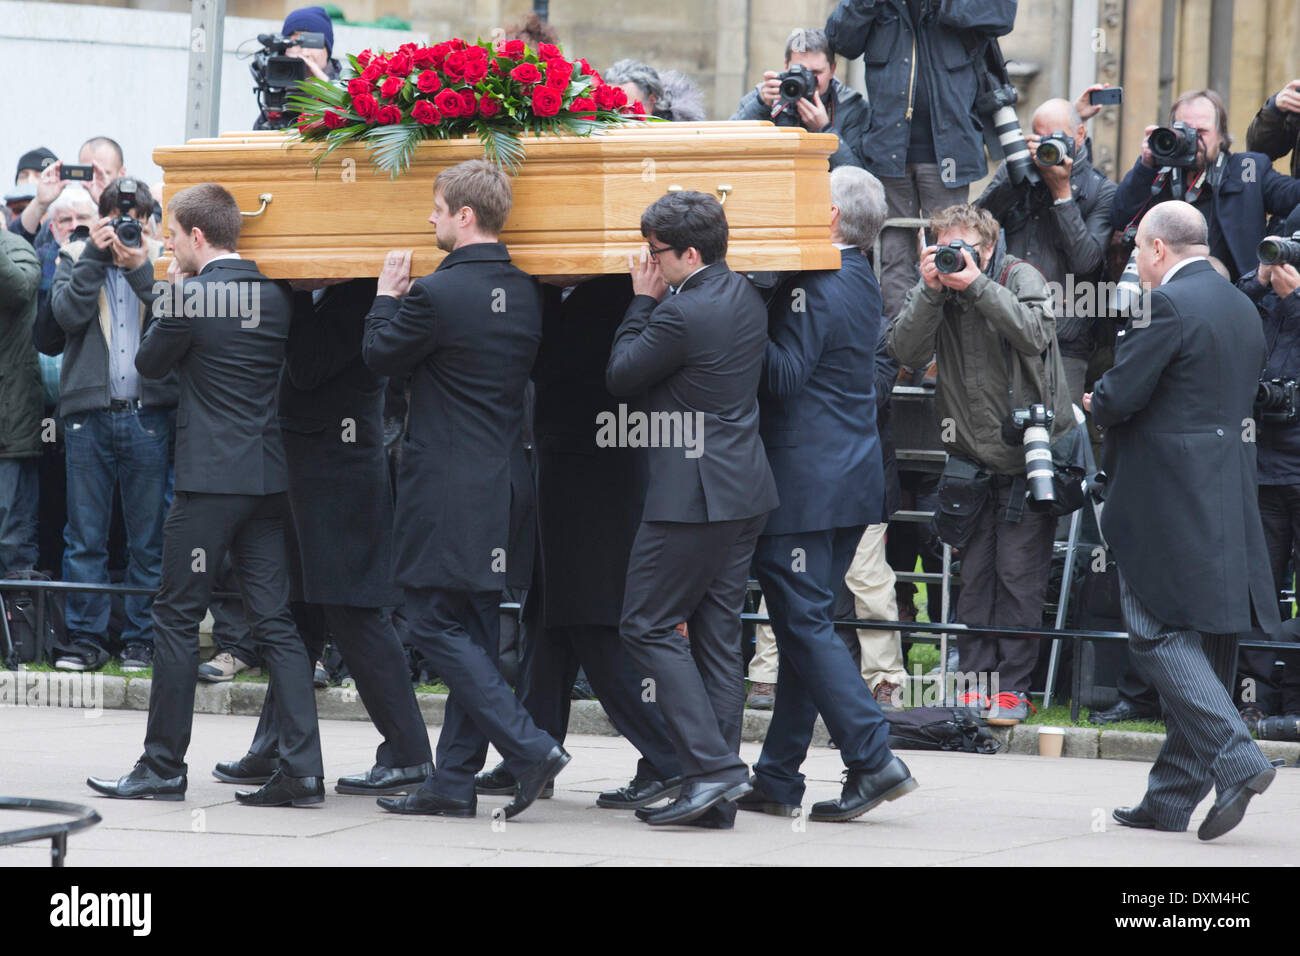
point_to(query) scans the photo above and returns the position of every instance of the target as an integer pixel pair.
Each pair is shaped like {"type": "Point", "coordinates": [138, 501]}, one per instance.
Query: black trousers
{"type": "Point", "coordinates": [459, 633]}
{"type": "Point", "coordinates": [200, 530]}
{"type": "Point", "coordinates": [377, 662]}
{"type": "Point", "coordinates": [694, 573]}
{"type": "Point", "coordinates": [551, 659]}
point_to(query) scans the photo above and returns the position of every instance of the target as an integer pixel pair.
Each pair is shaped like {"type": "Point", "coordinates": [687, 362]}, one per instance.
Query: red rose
{"type": "Point", "coordinates": [423, 56]}
{"type": "Point", "coordinates": [546, 101]}
{"type": "Point", "coordinates": [620, 98]}
{"type": "Point", "coordinates": [604, 97]}
{"type": "Point", "coordinates": [456, 43]}
{"type": "Point", "coordinates": [496, 67]}
{"type": "Point", "coordinates": [476, 52]}
{"type": "Point", "coordinates": [365, 105]}
{"type": "Point", "coordinates": [584, 107]}
{"type": "Point", "coordinates": [557, 81]}
{"type": "Point", "coordinates": [425, 112]}
{"type": "Point", "coordinates": [586, 67]}
{"type": "Point", "coordinates": [390, 86]}
{"type": "Point", "coordinates": [636, 109]}
{"type": "Point", "coordinates": [407, 47]}
{"type": "Point", "coordinates": [388, 115]}
{"type": "Point", "coordinates": [372, 72]}
{"type": "Point", "coordinates": [364, 58]}
{"type": "Point", "coordinates": [475, 70]}
{"type": "Point", "coordinates": [332, 119]}
{"type": "Point", "coordinates": [358, 86]}
{"type": "Point", "coordinates": [400, 64]}
{"type": "Point", "coordinates": [548, 50]}
{"type": "Point", "coordinates": [489, 106]}
{"type": "Point", "coordinates": [454, 65]}
{"type": "Point", "coordinates": [525, 73]}
{"type": "Point", "coordinates": [428, 81]}
{"type": "Point", "coordinates": [448, 103]}
{"type": "Point", "coordinates": [468, 102]}
{"type": "Point", "coordinates": [514, 49]}
{"type": "Point", "coordinates": [381, 62]}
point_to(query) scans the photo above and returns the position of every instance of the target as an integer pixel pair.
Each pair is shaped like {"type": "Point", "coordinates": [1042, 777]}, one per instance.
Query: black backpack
{"type": "Point", "coordinates": [940, 728]}
{"type": "Point", "coordinates": [20, 640]}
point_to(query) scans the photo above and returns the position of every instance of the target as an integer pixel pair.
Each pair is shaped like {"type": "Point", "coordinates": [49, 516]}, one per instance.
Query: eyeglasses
{"type": "Point", "coordinates": [654, 253]}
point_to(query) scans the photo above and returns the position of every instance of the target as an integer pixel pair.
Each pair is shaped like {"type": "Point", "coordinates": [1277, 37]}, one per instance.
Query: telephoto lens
{"type": "Point", "coordinates": [1276, 251]}
{"type": "Point", "coordinates": [1007, 127]}
{"type": "Point", "coordinates": [1055, 149]}
{"type": "Point", "coordinates": [1039, 470]}
{"type": "Point", "coordinates": [1279, 728]}
{"type": "Point", "coordinates": [1126, 299]}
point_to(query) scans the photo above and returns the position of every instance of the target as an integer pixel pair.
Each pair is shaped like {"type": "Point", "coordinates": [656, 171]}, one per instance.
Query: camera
{"type": "Point", "coordinates": [1174, 145]}
{"type": "Point", "coordinates": [1279, 728]}
{"type": "Point", "coordinates": [1055, 149]}
{"type": "Point", "coordinates": [1126, 299]}
{"type": "Point", "coordinates": [277, 74]}
{"type": "Point", "coordinates": [998, 105]}
{"type": "Point", "coordinates": [127, 227]}
{"type": "Point", "coordinates": [948, 259]}
{"type": "Point", "coordinates": [1277, 400]}
{"type": "Point", "coordinates": [1034, 426]}
{"type": "Point", "coordinates": [1276, 251]}
{"type": "Point", "coordinates": [797, 83]}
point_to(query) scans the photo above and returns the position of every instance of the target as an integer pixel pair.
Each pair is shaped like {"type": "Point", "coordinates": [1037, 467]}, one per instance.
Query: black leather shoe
{"type": "Point", "coordinates": [718, 818]}
{"type": "Point", "coordinates": [758, 801]}
{"type": "Point", "coordinates": [531, 784]}
{"type": "Point", "coordinates": [426, 803]}
{"type": "Point", "coordinates": [1138, 819]}
{"type": "Point", "coordinates": [141, 783]}
{"type": "Point", "coordinates": [1230, 806]}
{"type": "Point", "coordinates": [863, 791]}
{"type": "Point", "coordinates": [247, 769]}
{"type": "Point", "coordinates": [500, 782]}
{"type": "Point", "coordinates": [383, 779]}
{"type": "Point", "coordinates": [1122, 711]}
{"type": "Point", "coordinates": [284, 791]}
{"type": "Point", "coordinates": [695, 800]}
{"type": "Point", "coordinates": [640, 793]}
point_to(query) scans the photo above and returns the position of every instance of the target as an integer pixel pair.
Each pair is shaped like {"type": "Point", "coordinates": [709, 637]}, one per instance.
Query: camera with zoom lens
{"type": "Point", "coordinates": [127, 227]}
{"type": "Point", "coordinates": [1126, 300]}
{"type": "Point", "coordinates": [1277, 251]}
{"type": "Point", "coordinates": [1174, 145]}
{"type": "Point", "coordinates": [1033, 427]}
{"type": "Point", "coordinates": [1055, 149]}
{"type": "Point", "coordinates": [276, 74]}
{"type": "Point", "coordinates": [1279, 728]}
{"type": "Point", "coordinates": [948, 259]}
{"type": "Point", "coordinates": [1277, 401]}
{"type": "Point", "coordinates": [998, 106]}
{"type": "Point", "coordinates": [797, 83]}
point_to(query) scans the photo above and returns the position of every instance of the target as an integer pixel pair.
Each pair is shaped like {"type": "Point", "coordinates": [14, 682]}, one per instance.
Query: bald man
{"type": "Point", "coordinates": [1182, 517]}
{"type": "Point", "coordinates": [1062, 226]}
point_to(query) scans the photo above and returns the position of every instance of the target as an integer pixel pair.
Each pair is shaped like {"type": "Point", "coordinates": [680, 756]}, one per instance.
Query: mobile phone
{"type": "Point", "coordinates": [1113, 96]}
{"type": "Point", "coordinates": [80, 173]}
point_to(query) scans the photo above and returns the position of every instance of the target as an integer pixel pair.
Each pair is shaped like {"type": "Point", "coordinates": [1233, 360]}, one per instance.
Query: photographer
{"type": "Point", "coordinates": [832, 107]}
{"type": "Point", "coordinates": [102, 154]}
{"type": "Point", "coordinates": [1275, 130]}
{"type": "Point", "coordinates": [923, 74]}
{"type": "Point", "coordinates": [989, 325]}
{"type": "Point", "coordinates": [1061, 224]}
{"type": "Point", "coordinates": [320, 62]}
{"type": "Point", "coordinates": [117, 423]}
{"type": "Point", "coordinates": [1235, 192]}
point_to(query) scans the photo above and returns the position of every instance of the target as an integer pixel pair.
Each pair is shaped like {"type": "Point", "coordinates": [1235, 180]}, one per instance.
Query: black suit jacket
{"type": "Point", "coordinates": [1182, 512]}
{"type": "Point", "coordinates": [467, 334]}
{"type": "Point", "coordinates": [331, 417]}
{"type": "Point", "coordinates": [700, 350]}
{"type": "Point", "coordinates": [227, 431]}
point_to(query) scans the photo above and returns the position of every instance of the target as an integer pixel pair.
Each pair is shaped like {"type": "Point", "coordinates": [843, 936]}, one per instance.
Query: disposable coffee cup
{"type": "Point", "coordinates": [1051, 741]}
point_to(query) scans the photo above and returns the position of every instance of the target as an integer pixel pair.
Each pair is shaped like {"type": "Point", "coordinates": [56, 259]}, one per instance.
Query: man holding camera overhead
{"type": "Point", "coordinates": [987, 318]}
{"type": "Point", "coordinates": [1190, 160]}
{"type": "Point", "coordinates": [807, 94]}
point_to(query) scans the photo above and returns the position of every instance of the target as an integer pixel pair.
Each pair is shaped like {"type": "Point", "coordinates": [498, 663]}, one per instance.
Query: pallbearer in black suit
{"type": "Point", "coordinates": [1182, 517]}
{"type": "Point", "coordinates": [224, 333]}
{"type": "Point", "coordinates": [819, 428]}
{"type": "Point", "coordinates": [331, 418]}
{"type": "Point", "coordinates": [694, 356]}
{"type": "Point", "coordinates": [468, 335]}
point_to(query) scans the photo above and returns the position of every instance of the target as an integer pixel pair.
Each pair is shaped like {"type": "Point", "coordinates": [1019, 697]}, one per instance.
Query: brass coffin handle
{"type": "Point", "coordinates": [723, 191]}
{"type": "Point", "coordinates": [266, 199]}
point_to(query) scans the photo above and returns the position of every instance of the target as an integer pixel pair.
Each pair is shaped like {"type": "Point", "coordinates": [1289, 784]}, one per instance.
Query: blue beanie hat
{"type": "Point", "coordinates": [311, 20]}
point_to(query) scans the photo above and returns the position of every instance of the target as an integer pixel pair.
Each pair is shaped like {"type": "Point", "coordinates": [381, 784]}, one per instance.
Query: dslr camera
{"type": "Point", "coordinates": [1174, 145]}
{"type": "Point", "coordinates": [276, 74]}
{"type": "Point", "coordinates": [1277, 401]}
{"type": "Point", "coordinates": [1276, 251]}
{"type": "Point", "coordinates": [127, 227]}
{"type": "Point", "coordinates": [948, 259]}
{"type": "Point", "coordinates": [1055, 149]}
{"type": "Point", "coordinates": [1033, 426]}
{"type": "Point", "coordinates": [797, 83]}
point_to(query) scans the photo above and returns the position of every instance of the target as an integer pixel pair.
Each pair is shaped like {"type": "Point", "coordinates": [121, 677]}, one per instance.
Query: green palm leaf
{"type": "Point", "coordinates": [501, 147]}
{"type": "Point", "coordinates": [393, 146]}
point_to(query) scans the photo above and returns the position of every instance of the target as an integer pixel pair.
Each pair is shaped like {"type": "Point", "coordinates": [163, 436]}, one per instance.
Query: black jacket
{"type": "Point", "coordinates": [1182, 512]}
{"type": "Point", "coordinates": [1278, 442]}
{"type": "Point", "coordinates": [849, 118]}
{"type": "Point", "coordinates": [227, 430]}
{"type": "Point", "coordinates": [468, 334]}
{"type": "Point", "coordinates": [331, 418]}
{"type": "Point", "coordinates": [698, 355]}
{"type": "Point", "coordinates": [881, 32]}
{"type": "Point", "coordinates": [1275, 133]}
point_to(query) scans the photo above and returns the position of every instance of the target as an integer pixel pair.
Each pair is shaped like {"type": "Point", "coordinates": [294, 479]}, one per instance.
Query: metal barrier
{"type": "Point", "coordinates": [56, 833]}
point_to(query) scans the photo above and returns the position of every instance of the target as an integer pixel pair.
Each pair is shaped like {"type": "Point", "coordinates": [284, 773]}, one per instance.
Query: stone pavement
{"type": "Point", "coordinates": [1006, 809]}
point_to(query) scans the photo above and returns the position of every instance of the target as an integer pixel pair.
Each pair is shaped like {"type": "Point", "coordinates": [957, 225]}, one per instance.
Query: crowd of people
{"type": "Point", "coordinates": [206, 458]}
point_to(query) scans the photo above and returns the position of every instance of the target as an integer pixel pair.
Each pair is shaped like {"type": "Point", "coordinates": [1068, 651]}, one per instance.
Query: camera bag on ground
{"type": "Point", "coordinates": [940, 728]}
{"type": "Point", "coordinates": [26, 643]}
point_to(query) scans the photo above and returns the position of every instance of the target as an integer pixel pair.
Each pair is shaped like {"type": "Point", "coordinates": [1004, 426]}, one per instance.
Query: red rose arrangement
{"type": "Point", "coordinates": [393, 100]}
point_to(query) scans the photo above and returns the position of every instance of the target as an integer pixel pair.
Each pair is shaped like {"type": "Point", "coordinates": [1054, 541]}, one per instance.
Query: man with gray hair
{"type": "Point", "coordinates": [818, 421]}
{"type": "Point", "coordinates": [1181, 505]}
{"type": "Point", "coordinates": [828, 107]}
{"type": "Point", "coordinates": [669, 94]}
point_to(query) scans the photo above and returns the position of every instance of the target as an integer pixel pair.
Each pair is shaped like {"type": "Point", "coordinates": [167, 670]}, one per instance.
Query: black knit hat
{"type": "Point", "coordinates": [36, 159]}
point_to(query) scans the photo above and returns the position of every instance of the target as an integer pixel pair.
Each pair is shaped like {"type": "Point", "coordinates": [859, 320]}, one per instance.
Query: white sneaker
{"type": "Point", "coordinates": [224, 667]}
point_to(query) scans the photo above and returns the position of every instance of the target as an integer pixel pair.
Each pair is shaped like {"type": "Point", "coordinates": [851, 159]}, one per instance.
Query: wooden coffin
{"type": "Point", "coordinates": [577, 200]}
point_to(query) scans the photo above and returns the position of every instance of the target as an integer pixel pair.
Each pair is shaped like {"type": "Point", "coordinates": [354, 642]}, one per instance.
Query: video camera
{"type": "Point", "coordinates": [276, 74]}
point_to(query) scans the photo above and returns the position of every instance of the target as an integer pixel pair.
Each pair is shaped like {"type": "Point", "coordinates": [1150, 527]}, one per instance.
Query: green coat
{"type": "Point", "coordinates": [20, 371]}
